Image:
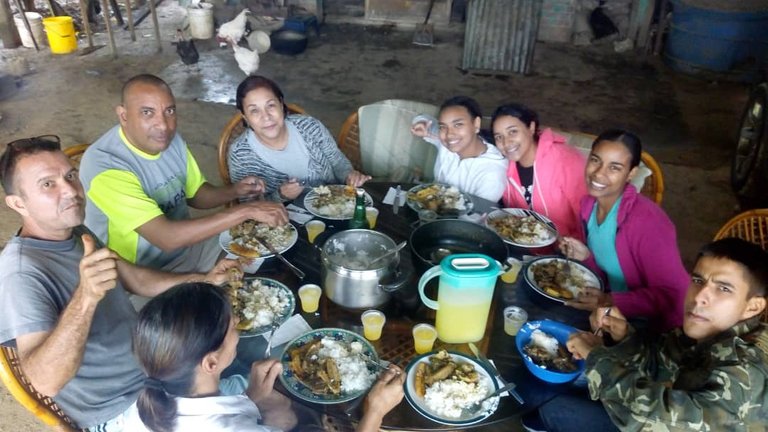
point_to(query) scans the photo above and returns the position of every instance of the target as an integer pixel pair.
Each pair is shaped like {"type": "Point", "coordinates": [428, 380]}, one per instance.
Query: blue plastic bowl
{"type": "Point", "coordinates": [560, 332]}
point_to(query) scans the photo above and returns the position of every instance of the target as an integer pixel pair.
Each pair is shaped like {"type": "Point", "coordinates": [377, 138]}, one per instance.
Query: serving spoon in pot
{"type": "Point", "coordinates": [389, 253]}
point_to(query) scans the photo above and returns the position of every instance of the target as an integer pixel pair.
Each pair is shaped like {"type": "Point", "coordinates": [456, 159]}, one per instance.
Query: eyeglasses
{"type": "Point", "coordinates": [25, 143]}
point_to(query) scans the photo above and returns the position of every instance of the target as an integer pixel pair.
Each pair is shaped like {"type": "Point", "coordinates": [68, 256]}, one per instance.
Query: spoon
{"type": "Point", "coordinates": [477, 406]}
{"type": "Point", "coordinates": [389, 253]}
{"type": "Point", "coordinates": [438, 254]}
{"type": "Point", "coordinates": [268, 351]}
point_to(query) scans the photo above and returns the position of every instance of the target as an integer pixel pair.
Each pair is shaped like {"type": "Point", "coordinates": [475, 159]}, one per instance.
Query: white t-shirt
{"type": "Point", "coordinates": [484, 176]}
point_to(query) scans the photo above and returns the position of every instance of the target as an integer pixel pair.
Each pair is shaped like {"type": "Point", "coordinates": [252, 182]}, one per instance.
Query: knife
{"type": "Point", "coordinates": [396, 202]}
{"type": "Point", "coordinates": [485, 360]}
{"type": "Point", "coordinates": [300, 274]}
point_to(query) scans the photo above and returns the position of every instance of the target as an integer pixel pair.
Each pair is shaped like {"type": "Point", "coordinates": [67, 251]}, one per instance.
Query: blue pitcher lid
{"type": "Point", "coordinates": [470, 265]}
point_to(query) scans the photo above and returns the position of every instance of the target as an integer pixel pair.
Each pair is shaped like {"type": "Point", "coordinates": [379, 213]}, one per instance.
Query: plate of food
{"type": "Point", "coordinates": [443, 386]}
{"type": "Point", "coordinates": [522, 227]}
{"type": "Point", "coordinates": [442, 199]}
{"type": "Point", "coordinates": [542, 346]}
{"type": "Point", "coordinates": [549, 277]}
{"type": "Point", "coordinates": [329, 366]}
{"type": "Point", "coordinates": [335, 202]}
{"type": "Point", "coordinates": [241, 239]}
{"type": "Point", "coordinates": [260, 303]}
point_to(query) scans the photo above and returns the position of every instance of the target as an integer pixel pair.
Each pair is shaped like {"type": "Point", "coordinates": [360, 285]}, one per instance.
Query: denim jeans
{"type": "Point", "coordinates": [575, 412]}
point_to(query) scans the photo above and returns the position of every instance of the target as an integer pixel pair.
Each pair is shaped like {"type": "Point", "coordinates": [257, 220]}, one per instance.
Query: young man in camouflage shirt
{"type": "Point", "coordinates": [709, 375]}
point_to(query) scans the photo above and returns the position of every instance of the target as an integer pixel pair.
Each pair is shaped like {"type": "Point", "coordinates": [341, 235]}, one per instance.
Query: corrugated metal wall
{"type": "Point", "coordinates": [501, 35]}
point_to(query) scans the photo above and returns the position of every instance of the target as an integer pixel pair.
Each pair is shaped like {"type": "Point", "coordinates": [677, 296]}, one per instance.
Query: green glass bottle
{"type": "Point", "coordinates": [359, 220]}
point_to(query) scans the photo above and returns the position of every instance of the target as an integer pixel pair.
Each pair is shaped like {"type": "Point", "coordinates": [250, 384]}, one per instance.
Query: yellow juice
{"type": "Point", "coordinates": [462, 322]}
{"type": "Point", "coordinates": [314, 228]}
{"type": "Point", "coordinates": [423, 339]}
{"type": "Point", "coordinates": [371, 214]}
{"type": "Point", "coordinates": [510, 276]}
{"type": "Point", "coordinates": [310, 298]}
{"type": "Point", "coordinates": [373, 323]}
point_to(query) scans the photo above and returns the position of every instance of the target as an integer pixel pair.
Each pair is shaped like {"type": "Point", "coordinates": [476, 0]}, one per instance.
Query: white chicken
{"type": "Point", "coordinates": [233, 30]}
{"type": "Point", "coordinates": [247, 60]}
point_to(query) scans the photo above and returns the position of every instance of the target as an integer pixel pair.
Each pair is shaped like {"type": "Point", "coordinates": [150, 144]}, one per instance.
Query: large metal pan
{"type": "Point", "coordinates": [433, 241]}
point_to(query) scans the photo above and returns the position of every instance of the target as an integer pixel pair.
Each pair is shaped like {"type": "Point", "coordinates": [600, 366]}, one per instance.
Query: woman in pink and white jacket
{"type": "Point", "coordinates": [545, 174]}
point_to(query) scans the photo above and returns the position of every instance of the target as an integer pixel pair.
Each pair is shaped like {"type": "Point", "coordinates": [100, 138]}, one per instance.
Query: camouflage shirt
{"type": "Point", "coordinates": [670, 383]}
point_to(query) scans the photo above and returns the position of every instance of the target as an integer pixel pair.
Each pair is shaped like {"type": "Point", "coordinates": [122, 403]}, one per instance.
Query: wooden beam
{"type": "Point", "coordinates": [108, 23]}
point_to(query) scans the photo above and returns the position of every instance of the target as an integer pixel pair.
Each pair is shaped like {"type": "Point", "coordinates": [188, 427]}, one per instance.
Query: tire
{"type": "Point", "coordinates": [749, 168]}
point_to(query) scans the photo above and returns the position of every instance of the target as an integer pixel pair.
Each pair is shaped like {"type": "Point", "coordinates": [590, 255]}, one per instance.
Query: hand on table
{"type": "Point", "coordinates": [98, 269]}
{"type": "Point", "coordinates": [291, 189]}
{"type": "Point", "coordinates": [610, 320]}
{"type": "Point", "coordinates": [250, 187]}
{"type": "Point", "coordinates": [356, 178]}
{"type": "Point", "coordinates": [590, 299]}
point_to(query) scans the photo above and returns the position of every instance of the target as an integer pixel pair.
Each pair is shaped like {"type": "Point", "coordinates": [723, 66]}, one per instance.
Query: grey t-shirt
{"type": "Point", "coordinates": [293, 160]}
{"type": "Point", "coordinates": [38, 280]}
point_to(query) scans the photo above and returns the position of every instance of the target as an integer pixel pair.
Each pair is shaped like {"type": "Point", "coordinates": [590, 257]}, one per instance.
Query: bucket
{"type": "Point", "coordinates": [61, 34]}
{"type": "Point", "coordinates": [730, 41]}
{"type": "Point", "coordinates": [201, 21]}
{"type": "Point", "coordinates": [36, 24]}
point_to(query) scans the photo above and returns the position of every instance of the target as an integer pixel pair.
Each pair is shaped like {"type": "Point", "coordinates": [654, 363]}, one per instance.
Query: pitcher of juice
{"type": "Point", "coordinates": [464, 295]}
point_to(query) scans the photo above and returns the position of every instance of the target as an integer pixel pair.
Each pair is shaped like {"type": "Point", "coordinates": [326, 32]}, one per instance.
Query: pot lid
{"type": "Point", "coordinates": [470, 265]}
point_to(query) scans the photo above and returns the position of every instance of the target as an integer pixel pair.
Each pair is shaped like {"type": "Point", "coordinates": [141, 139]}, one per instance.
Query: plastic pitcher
{"type": "Point", "coordinates": [464, 296]}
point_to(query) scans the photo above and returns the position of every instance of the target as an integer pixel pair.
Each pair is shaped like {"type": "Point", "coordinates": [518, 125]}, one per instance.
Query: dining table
{"type": "Point", "coordinates": [405, 309]}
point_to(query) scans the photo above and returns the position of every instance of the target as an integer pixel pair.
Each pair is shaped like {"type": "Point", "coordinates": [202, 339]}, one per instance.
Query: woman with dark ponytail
{"type": "Point", "coordinates": [184, 339]}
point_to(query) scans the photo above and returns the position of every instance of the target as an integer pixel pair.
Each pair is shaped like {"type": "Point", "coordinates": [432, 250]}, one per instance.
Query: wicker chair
{"type": "Point", "coordinates": [75, 153]}
{"type": "Point", "coordinates": [752, 226]}
{"type": "Point", "coordinates": [349, 141]}
{"type": "Point", "coordinates": [232, 130]}
{"type": "Point", "coordinates": [43, 407]}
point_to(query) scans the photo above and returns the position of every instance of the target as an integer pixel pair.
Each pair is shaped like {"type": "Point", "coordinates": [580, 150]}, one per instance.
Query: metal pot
{"type": "Point", "coordinates": [347, 277]}
{"type": "Point", "coordinates": [433, 241]}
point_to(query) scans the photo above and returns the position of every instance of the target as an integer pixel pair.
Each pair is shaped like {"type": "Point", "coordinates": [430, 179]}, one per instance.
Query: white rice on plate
{"type": "Point", "coordinates": [354, 372]}
{"type": "Point", "coordinates": [262, 304]}
{"type": "Point", "coordinates": [448, 398]}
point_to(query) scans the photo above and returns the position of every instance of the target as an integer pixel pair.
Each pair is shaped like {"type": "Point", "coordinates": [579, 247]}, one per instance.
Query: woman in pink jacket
{"type": "Point", "coordinates": [545, 174]}
{"type": "Point", "coordinates": [631, 242]}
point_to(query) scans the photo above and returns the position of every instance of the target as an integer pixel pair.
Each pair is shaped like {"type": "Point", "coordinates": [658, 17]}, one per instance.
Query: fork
{"type": "Point", "coordinates": [268, 351]}
{"type": "Point", "coordinates": [476, 407]}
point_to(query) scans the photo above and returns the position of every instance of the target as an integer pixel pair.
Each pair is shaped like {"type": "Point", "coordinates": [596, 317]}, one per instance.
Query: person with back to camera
{"type": "Point", "coordinates": [711, 374]}
{"type": "Point", "coordinates": [286, 150]}
{"type": "Point", "coordinates": [545, 174]}
{"type": "Point", "coordinates": [184, 339]}
{"type": "Point", "coordinates": [464, 159]}
{"type": "Point", "coordinates": [630, 240]}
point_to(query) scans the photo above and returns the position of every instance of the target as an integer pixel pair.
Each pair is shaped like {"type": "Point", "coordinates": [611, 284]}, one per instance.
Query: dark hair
{"type": "Point", "coordinates": [630, 141]}
{"type": "Point", "coordinates": [15, 150]}
{"type": "Point", "coordinates": [144, 79]}
{"type": "Point", "coordinates": [751, 256]}
{"type": "Point", "coordinates": [175, 331]}
{"type": "Point", "coordinates": [467, 102]}
{"type": "Point", "coordinates": [254, 82]}
{"type": "Point", "coordinates": [520, 112]}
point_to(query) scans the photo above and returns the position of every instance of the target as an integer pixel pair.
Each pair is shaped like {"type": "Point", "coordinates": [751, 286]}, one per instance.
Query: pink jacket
{"type": "Point", "coordinates": [646, 245]}
{"type": "Point", "coordinates": [558, 184]}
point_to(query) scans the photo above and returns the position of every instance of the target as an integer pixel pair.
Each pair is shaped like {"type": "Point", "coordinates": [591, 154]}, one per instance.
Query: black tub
{"type": "Point", "coordinates": [288, 42]}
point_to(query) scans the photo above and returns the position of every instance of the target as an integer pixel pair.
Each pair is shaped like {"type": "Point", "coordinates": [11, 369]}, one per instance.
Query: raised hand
{"type": "Point", "coordinates": [386, 393]}
{"type": "Point", "coordinates": [270, 213]}
{"type": "Point", "coordinates": [421, 129]}
{"type": "Point", "coordinates": [250, 187]}
{"type": "Point", "coordinates": [223, 271]}
{"type": "Point", "coordinates": [580, 344]}
{"type": "Point", "coordinates": [573, 248]}
{"type": "Point", "coordinates": [291, 189]}
{"type": "Point", "coordinates": [610, 320]}
{"type": "Point", "coordinates": [98, 269]}
{"type": "Point", "coordinates": [263, 375]}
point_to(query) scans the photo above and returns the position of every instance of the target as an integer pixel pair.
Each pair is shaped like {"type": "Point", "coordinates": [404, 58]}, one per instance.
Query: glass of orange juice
{"type": "Point", "coordinates": [373, 322]}
{"type": "Point", "coordinates": [314, 228]}
{"type": "Point", "coordinates": [424, 336]}
{"type": "Point", "coordinates": [510, 276]}
{"type": "Point", "coordinates": [310, 297]}
{"type": "Point", "coordinates": [371, 213]}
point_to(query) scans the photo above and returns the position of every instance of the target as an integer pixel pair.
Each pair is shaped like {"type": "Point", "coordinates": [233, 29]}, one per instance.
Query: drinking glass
{"type": "Point", "coordinates": [314, 228]}
{"type": "Point", "coordinates": [371, 213]}
{"type": "Point", "coordinates": [310, 297]}
{"type": "Point", "coordinates": [373, 322]}
{"type": "Point", "coordinates": [424, 336]}
{"type": "Point", "coordinates": [514, 318]}
{"type": "Point", "coordinates": [510, 276]}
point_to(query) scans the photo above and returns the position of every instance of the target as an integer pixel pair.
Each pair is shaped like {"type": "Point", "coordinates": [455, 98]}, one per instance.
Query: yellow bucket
{"type": "Point", "coordinates": [61, 34]}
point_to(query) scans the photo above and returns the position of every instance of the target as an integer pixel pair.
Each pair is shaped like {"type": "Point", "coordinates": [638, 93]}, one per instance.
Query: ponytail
{"type": "Point", "coordinates": [157, 410]}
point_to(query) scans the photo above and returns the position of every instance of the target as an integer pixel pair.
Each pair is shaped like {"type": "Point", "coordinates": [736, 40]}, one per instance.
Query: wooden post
{"type": "Point", "coordinates": [108, 22]}
{"type": "Point", "coordinates": [86, 24]}
{"type": "Point", "coordinates": [130, 19]}
{"type": "Point", "coordinates": [153, 9]}
{"type": "Point", "coordinates": [8, 33]}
